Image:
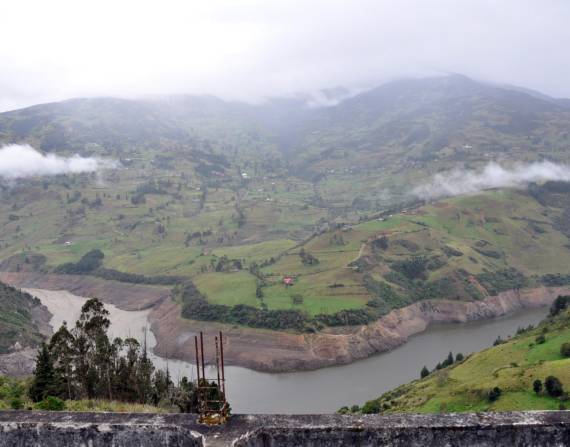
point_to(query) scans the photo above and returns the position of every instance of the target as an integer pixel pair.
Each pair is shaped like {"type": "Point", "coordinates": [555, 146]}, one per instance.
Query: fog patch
{"type": "Point", "coordinates": [22, 161]}
{"type": "Point", "coordinates": [493, 175]}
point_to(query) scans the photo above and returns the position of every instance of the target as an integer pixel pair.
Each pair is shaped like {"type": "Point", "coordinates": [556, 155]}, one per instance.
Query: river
{"type": "Point", "coordinates": [324, 390]}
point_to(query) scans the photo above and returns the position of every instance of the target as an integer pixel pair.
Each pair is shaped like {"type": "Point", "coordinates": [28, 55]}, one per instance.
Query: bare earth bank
{"type": "Point", "coordinates": [282, 351]}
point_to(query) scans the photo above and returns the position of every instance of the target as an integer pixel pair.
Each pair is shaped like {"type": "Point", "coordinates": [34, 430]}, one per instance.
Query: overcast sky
{"type": "Point", "coordinates": [250, 49]}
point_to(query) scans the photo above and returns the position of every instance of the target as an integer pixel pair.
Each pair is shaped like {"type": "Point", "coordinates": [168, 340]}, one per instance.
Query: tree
{"type": "Point", "coordinates": [424, 372]}
{"type": "Point", "coordinates": [43, 383]}
{"type": "Point", "coordinates": [84, 363]}
{"type": "Point", "coordinates": [92, 348]}
{"type": "Point", "coordinates": [565, 350]}
{"type": "Point", "coordinates": [61, 348]}
{"type": "Point", "coordinates": [537, 386]}
{"type": "Point", "coordinates": [559, 304]}
{"type": "Point", "coordinates": [553, 386]}
{"type": "Point", "coordinates": [459, 357]}
{"type": "Point", "coordinates": [448, 361]}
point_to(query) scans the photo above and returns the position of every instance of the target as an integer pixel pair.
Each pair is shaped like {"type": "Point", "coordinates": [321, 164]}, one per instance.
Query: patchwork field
{"type": "Point", "coordinates": [458, 248]}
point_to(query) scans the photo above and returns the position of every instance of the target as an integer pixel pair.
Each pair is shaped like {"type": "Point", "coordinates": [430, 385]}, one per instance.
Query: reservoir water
{"type": "Point", "coordinates": [324, 390]}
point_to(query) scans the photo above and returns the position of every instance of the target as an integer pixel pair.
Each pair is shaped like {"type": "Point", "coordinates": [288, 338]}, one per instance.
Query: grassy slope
{"type": "Point", "coordinates": [14, 395]}
{"type": "Point", "coordinates": [511, 223]}
{"type": "Point", "coordinates": [512, 366]}
{"type": "Point", "coordinates": [500, 218]}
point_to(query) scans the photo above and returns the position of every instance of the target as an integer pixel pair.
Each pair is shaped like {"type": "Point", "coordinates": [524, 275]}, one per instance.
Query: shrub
{"type": "Point", "coordinates": [51, 403]}
{"type": "Point", "coordinates": [297, 299]}
{"type": "Point", "coordinates": [501, 280]}
{"type": "Point", "coordinates": [380, 243]}
{"type": "Point", "coordinates": [450, 251]}
{"type": "Point", "coordinates": [371, 407]}
{"type": "Point", "coordinates": [553, 386]}
{"type": "Point", "coordinates": [307, 258]}
{"type": "Point", "coordinates": [412, 268]}
{"type": "Point", "coordinates": [537, 386]}
{"type": "Point", "coordinates": [540, 339]}
{"type": "Point", "coordinates": [494, 394]}
{"type": "Point", "coordinates": [16, 403]}
{"type": "Point", "coordinates": [565, 350]}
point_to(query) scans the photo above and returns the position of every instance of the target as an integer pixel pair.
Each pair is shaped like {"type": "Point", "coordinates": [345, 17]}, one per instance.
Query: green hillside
{"type": "Point", "coordinates": [235, 197]}
{"type": "Point", "coordinates": [17, 319]}
{"type": "Point", "coordinates": [465, 248]}
{"type": "Point", "coordinates": [511, 366]}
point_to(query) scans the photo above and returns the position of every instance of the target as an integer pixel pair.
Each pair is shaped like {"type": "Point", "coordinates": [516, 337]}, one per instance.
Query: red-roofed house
{"type": "Point", "coordinates": [288, 280]}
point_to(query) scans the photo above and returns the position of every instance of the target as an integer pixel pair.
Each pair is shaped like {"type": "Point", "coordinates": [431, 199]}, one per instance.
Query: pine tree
{"type": "Point", "coordinates": [43, 383]}
{"type": "Point", "coordinates": [424, 372]}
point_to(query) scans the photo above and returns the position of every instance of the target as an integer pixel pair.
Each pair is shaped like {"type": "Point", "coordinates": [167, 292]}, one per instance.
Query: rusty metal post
{"type": "Point", "coordinates": [197, 358]}
{"type": "Point", "coordinates": [218, 364]}
{"type": "Point", "coordinates": [222, 364]}
{"type": "Point", "coordinates": [202, 353]}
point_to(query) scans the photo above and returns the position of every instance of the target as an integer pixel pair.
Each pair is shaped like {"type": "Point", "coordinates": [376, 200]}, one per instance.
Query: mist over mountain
{"type": "Point", "coordinates": [407, 122]}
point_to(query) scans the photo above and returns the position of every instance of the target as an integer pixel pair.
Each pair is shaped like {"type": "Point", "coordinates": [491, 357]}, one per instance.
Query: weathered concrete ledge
{"type": "Point", "coordinates": [538, 428]}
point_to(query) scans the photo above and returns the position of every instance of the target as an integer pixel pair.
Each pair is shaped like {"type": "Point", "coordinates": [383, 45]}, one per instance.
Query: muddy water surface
{"type": "Point", "coordinates": [324, 390]}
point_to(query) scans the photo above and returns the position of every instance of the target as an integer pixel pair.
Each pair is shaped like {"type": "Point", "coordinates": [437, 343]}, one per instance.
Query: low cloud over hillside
{"type": "Point", "coordinates": [21, 161]}
{"type": "Point", "coordinates": [461, 181]}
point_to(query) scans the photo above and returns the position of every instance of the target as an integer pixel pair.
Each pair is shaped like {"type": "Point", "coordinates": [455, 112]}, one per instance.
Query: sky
{"type": "Point", "coordinates": [252, 49]}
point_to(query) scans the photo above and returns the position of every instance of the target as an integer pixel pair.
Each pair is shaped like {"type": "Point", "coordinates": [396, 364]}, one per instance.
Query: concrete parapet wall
{"type": "Point", "coordinates": [21, 428]}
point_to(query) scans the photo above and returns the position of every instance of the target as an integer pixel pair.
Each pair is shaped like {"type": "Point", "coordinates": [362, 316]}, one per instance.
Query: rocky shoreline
{"type": "Point", "coordinates": [272, 351]}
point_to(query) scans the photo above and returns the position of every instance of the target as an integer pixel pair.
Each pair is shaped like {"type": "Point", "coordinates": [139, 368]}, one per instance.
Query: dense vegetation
{"type": "Point", "coordinates": [91, 263]}
{"type": "Point", "coordinates": [530, 371]}
{"type": "Point", "coordinates": [82, 363]}
{"type": "Point", "coordinates": [16, 319]}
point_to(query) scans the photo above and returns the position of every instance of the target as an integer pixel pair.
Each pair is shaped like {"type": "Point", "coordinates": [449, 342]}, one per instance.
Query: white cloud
{"type": "Point", "coordinates": [462, 181]}
{"type": "Point", "coordinates": [21, 161]}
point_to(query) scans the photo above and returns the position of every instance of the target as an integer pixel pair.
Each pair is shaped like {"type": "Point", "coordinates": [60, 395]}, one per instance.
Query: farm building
{"type": "Point", "coordinates": [288, 280]}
